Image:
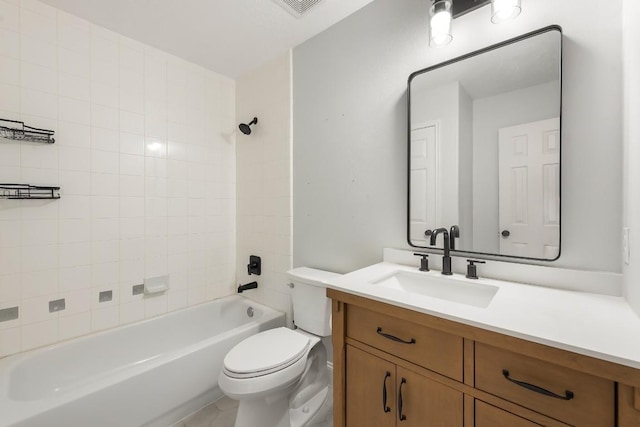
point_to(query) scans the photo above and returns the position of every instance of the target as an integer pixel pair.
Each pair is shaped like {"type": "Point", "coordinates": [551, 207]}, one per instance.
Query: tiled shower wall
{"type": "Point", "coordinates": [145, 157]}
{"type": "Point", "coordinates": [264, 181]}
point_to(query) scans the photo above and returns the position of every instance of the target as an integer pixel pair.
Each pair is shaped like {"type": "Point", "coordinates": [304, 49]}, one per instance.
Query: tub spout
{"type": "Point", "coordinates": [242, 288]}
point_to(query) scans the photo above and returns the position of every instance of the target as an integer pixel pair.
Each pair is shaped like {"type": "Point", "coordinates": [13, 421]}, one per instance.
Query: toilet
{"type": "Point", "coordinates": [280, 376]}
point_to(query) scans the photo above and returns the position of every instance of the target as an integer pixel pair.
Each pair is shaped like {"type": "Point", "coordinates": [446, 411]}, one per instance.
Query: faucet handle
{"type": "Point", "coordinates": [472, 269]}
{"type": "Point", "coordinates": [424, 262]}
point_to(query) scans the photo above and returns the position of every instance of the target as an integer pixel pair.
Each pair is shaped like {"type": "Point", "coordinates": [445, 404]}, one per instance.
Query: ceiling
{"type": "Point", "coordinates": [231, 37]}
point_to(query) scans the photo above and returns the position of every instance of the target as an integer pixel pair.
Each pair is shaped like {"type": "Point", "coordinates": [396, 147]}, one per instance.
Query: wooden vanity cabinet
{"type": "Point", "coordinates": [383, 394]}
{"type": "Point", "coordinates": [450, 374]}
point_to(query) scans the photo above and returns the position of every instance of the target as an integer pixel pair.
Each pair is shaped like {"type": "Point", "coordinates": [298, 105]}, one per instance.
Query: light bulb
{"type": "Point", "coordinates": [504, 10]}
{"type": "Point", "coordinates": [440, 24]}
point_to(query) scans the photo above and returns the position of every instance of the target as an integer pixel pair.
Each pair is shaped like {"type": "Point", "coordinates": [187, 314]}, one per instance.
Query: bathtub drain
{"type": "Point", "coordinates": [250, 311]}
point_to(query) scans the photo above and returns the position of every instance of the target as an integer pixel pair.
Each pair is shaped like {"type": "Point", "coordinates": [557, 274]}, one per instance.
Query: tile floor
{"type": "Point", "coordinates": [219, 414]}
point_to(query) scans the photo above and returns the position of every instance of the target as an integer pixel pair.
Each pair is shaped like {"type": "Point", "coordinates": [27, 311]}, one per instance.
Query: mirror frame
{"type": "Point", "coordinates": [486, 255]}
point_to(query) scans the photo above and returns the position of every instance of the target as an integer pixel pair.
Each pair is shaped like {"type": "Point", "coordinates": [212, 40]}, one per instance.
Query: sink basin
{"type": "Point", "coordinates": [445, 288]}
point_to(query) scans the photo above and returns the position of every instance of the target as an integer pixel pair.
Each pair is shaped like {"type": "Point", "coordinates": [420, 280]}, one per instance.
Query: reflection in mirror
{"type": "Point", "coordinates": [484, 148]}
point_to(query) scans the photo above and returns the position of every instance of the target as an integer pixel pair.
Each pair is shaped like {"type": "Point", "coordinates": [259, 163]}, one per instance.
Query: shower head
{"type": "Point", "coordinates": [246, 128]}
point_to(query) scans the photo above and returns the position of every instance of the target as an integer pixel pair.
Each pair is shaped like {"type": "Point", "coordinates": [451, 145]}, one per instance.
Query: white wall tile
{"type": "Point", "coordinates": [105, 318]}
{"type": "Point", "coordinates": [105, 206]}
{"type": "Point", "coordinates": [105, 162]}
{"type": "Point", "coordinates": [39, 334]}
{"type": "Point", "coordinates": [131, 143]}
{"type": "Point", "coordinates": [74, 278]}
{"type": "Point", "coordinates": [124, 175]}
{"type": "Point", "coordinates": [39, 232]}
{"type": "Point", "coordinates": [131, 165]}
{"type": "Point", "coordinates": [132, 312]}
{"type": "Point", "coordinates": [105, 276]}
{"type": "Point", "coordinates": [73, 63]}
{"type": "Point", "coordinates": [9, 341]}
{"type": "Point", "coordinates": [77, 183]}
{"type": "Point", "coordinates": [39, 7]}
{"type": "Point", "coordinates": [9, 43]}
{"type": "Point", "coordinates": [107, 251]}
{"type": "Point", "coordinates": [9, 98]}
{"type": "Point", "coordinates": [103, 94]}
{"type": "Point", "coordinates": [74, 33]}
{"type": "Point", "coordinates": [9, 70]}
{"type": "Point", "coordinates": [38, 26]}
{"type": "Point", "coordinates": [74, 111]}
{"type": "Point", "coordinates": [72, 206]}
{"type": "Point", "coordinates": [105, 117]}
{"type": "Point", "coordinates": [75, 254]}
{"type": "Point", "coordinates": [40, 257]}
{"type": "Point", "coordinates": [105, 184]}
{"type": "Point", "coordinates": [74, 87]}
{"type": "Point", "coordinates": [11, 16]}
{"type": "Point", "coordinates": [75, 159]}
{"type": "Point", "coordinates": [74, 326]}
{"type": "Point", "coordinates": [75, 230]}
{"type": "Point", "coordinates": [10, 287]}
{"type": "Point", "coordinates": [131, 122]}
{"type": "Point", "coordinates": [37, 51]}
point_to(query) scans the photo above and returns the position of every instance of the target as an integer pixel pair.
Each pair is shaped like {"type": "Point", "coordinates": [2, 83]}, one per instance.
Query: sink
{"type": "Point", "coordinates": [445, 288]}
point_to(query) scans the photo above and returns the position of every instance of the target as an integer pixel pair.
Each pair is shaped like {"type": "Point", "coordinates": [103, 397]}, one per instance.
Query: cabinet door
{"type": "Point", "coordinates": [490, 416]}
{"type": "Point", "coordinates": [370, 390]}
{"type": "Point", "coordinates": [425, 403]}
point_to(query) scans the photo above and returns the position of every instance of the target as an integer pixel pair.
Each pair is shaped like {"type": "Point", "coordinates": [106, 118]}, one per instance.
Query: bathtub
{"type": "Point", "coordinates": [151, 373]}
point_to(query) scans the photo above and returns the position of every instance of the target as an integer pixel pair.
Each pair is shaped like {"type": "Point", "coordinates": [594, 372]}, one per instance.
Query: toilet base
{"type": "Point", "coordinates": [272, 411]}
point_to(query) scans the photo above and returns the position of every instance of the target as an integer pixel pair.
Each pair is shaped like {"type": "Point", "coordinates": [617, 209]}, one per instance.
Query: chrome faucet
{"type": "Point", "coordinates": [446, 258]}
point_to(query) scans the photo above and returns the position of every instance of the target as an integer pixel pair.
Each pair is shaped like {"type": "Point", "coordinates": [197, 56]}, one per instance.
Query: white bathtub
{"type": "Point", "coordinates": [151, 373]}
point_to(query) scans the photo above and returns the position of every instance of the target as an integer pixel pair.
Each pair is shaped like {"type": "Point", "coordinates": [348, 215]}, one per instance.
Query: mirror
{"type": "Point", "coordinates": [484, 149]}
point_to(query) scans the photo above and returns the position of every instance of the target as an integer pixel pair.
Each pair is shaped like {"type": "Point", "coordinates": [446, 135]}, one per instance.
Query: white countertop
{"type": "Point", "coordinates": [601, 326]}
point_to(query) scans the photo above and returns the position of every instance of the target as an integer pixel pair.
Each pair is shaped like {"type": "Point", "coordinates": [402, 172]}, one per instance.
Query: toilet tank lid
{"type": "Point", "coordinates": [311, 276]}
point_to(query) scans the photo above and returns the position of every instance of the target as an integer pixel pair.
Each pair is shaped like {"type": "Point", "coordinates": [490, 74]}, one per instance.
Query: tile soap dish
{"type": "Point", "coordinates": [156, 285]}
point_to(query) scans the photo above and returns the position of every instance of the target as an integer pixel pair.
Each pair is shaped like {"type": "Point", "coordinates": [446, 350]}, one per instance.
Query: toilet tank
{"type": "Point", "coordinates": [311, 307]}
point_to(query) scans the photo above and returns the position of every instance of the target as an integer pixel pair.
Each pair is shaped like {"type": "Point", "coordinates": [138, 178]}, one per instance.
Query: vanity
{"type": "Point", "coordinates": [530, 356]}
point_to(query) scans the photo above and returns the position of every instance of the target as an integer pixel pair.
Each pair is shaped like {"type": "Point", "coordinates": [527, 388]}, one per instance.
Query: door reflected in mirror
{"type": "Point", "coordinates": [484, 148]}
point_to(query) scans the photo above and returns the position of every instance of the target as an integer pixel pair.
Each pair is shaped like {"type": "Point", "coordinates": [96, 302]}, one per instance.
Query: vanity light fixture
{"type": "Point", "coordinates": [440, 23]}
{"type": "Point", "coordinates": [504, 10]}
{"type": "Point", "coordinates": [442, 13]}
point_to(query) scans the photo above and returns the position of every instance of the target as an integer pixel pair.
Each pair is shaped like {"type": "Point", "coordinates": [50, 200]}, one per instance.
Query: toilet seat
{"type": "Point", "coordinates": [265, 353]}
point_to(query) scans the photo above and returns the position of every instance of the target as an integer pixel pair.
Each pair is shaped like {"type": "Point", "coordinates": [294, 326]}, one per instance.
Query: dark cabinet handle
{"type": "Point", "coordinates": [401, 416]}
{"type": "Point", "coordinates": [385, 408]}
{"type": "Point", "coordinates": [394, 338]}
{"type": "Point", "coordinates": [506, 233]}
{"type": "Point", "coordinates": [568, 395]}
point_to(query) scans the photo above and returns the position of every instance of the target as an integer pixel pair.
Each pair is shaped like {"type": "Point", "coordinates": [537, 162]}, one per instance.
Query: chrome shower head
{"type": "Point", "coordinates": [246, 128]}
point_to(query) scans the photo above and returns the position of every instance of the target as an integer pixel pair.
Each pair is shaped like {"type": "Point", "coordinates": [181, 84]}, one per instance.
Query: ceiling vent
{"type": "Point", "coordinates": [298, 8]}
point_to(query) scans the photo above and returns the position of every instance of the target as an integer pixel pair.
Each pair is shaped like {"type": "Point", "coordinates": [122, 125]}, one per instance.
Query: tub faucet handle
{"type": "Point", "coordinates": [254, 266]}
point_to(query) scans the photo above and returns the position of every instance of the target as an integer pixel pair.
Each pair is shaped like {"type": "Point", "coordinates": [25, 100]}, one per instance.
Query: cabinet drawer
{"type": "Point", "coordinates": [490, 416]}
{"type": "Point", "coordinates": [578, 398]}
{"type": "Point", "coordinates": [426, 347]}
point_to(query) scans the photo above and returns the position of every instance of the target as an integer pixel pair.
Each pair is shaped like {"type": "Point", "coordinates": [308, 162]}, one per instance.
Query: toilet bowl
{"type": "Point", "coordinates": [280, 376]}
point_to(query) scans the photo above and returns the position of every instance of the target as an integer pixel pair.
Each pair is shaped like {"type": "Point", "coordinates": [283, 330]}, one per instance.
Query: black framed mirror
{"type": "Point", "coordinates": [485, 149]}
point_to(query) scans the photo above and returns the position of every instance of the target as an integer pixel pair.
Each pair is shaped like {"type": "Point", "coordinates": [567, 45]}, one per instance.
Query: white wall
{"type": "Point", "coordinates": [145, 157]}
{"type": "Point", "coordinates": [489, 115]}
{"type": "Point", "coordinates": [631, 35]}
{"type": "Point", "coordinates": [350, 131]}
{"type": "Point", "coordinates": [264, 181]}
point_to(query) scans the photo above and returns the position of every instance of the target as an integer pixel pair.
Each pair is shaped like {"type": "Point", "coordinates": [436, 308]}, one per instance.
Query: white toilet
{"type": "Point", "coordinates": [280, 375]}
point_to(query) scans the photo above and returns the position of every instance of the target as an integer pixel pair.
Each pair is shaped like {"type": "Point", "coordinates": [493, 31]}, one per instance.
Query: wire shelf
{"type": "Point", "coordinates": [26, 191]}
{"type": "Point", "coordinates": [16, 130]}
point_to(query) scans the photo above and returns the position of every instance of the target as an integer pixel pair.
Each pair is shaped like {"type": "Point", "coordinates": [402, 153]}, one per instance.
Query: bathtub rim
{"type": "Point", "coordinates": [15, 411]}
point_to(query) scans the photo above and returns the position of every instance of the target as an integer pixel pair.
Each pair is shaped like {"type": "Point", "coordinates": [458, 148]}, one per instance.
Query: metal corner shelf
{"type": "Point", "coordinates": [26, 191]}
{"type": "Point", "coordinates": [18, 131]}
